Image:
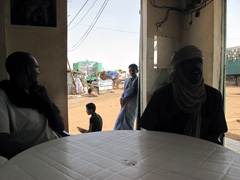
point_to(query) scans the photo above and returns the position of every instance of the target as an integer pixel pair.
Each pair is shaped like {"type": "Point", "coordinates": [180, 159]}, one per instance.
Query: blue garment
{"type": "Point", "coordinates": [112, 73]}
{"type": "Point", "coordinates": [126, 118]}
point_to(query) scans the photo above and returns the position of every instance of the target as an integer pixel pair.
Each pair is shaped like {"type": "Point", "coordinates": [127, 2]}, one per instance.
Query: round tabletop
{"type": "Point", "coordinates": [124, 155]}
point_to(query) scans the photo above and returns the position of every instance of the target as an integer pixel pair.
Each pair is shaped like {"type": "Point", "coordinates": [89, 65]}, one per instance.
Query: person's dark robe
{"type": "Point", "coordinates": [163, 114]}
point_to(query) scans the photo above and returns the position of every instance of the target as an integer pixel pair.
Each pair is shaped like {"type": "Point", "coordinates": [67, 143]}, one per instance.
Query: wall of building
{"type": "Point", "coordinates": [170, 30]}
{"type": "Point", "coordinates": [219, 45]}
{"type": "Point", "coordinates": [205, 32]}
{"type": "Point", "coordinates": [48, 45]}
{"type": "Point", "coordinates": [201, 35]}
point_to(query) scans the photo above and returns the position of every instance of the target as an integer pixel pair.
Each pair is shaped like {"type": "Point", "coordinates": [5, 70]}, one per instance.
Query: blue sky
{"type": "Point", "coordinates": [233, 27]}
{"type": "Point", "coordinates": [114, 40]}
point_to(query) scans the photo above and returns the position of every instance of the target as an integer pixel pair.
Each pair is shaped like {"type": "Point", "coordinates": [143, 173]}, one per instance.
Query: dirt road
{"type": "Point", "coordinates": [233, 111]}
{"type": "Point", "coordinates": [108, 107]}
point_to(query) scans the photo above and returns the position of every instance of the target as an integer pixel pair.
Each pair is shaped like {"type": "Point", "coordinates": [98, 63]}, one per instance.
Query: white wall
{"type": "Point", "coordinates": [170, 29]}
{"type": "Point", "coordinates": [205, 33]}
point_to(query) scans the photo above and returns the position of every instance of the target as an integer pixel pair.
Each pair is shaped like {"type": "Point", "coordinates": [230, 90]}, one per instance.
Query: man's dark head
{"type": "Point", "coordinates": [189, 62]}
{"type": "Point", "coordinates": [133, 70]}
{"type": "Point", "coordinates": [22, 64]}
{"type": "Point", "coordinates": [192, 69]}
{"type": "Point", "coordinates": [90, 108]}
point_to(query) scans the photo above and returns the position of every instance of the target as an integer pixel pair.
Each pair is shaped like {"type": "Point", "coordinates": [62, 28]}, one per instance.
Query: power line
{"type": "Point", "coordinates": [119, 30]}
{"type": "Point", "coordinates": [84, 15]}
{"type": "Point", "coordinates": [91, 26]}
{"type": "Point", "coordinates": [75, 46]}
{"type": "Point", "coordinates": [78, 12]}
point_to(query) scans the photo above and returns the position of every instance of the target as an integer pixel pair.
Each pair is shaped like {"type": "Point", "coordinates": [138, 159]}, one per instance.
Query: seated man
{"type": "Point", "coordinates": [186, 105]}
{"type": "Point", "coordinates": [95, 122]}
{"type": "Point", "coordinates": [27, 115]}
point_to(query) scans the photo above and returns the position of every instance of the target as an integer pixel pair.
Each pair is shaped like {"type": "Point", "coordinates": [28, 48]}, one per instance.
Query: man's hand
{"type": "Point", "coordinates": [55, 118]}
{"type": "Point", "coordinates": [122, 102]}
{"type": "Point", "coordinates": [41, 92]}
{"type": "Point", "coordinates": [81, 130]}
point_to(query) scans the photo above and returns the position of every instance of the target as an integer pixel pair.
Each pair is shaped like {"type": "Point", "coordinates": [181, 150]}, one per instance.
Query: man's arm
{"type": "Point", "coordinates": [90, 128]}
{"type": "Point", "coordinates": [218, 125]}
{"type": "Point", "coordinates": [84, 130]}
{"type": "Point", "coordinates": [56, 121]}
{"type": "Point", "coordinates": [149, 119]}
{"type": "Point", "coordinates": [8, 149]}
{"type": "Point", "coordinates": [215, 138]}
{"type": "Point", "coordinates": [123, 101]}
{"type": "Point", "coordinates": [129, 97]}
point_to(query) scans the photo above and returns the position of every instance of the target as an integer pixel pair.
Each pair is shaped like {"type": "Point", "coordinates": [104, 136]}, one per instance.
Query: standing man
{"type": "Point", "coordinates": [128, 101]}
{"type": "Point", "coordinates": [187, 105]}
{"type": "Point", "coordinates": [78, 84]}
{"type": "Point", "coordinates": [27, 115]}
{"type": "Point", "coordinates": [95, 122]}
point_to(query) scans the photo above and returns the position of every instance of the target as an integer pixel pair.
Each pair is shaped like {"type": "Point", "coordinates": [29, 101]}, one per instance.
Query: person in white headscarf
{"type": "Point", "coordinates": [187, 105]}
{"type": "Point", "coordinates": [78, 84]}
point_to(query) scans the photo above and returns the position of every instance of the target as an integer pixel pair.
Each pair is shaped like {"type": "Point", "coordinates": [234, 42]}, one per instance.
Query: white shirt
{"type": "Point", "coordinates": [26, 127]}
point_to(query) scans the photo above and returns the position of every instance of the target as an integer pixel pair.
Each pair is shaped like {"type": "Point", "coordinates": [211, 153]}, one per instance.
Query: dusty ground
{"type": "Point", "coordinates": [233, 111]}
{"type": "Point", "coordinates": [108, 107]}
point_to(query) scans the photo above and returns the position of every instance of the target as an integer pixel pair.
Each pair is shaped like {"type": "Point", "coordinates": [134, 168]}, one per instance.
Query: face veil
{"type": "Point", "coordinates": [188, 97]}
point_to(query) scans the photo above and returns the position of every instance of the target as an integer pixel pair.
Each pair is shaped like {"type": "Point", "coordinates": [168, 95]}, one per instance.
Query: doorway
{"type": "Point", "coordinates": [105, 33]}
{"type": "Point", "coordinates": [233, 71]}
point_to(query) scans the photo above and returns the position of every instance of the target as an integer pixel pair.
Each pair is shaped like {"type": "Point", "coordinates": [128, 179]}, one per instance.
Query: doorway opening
{"type": "Point", "coordinates": [233, 71]}
{"type": "Point", "coordinates": [103, 40]}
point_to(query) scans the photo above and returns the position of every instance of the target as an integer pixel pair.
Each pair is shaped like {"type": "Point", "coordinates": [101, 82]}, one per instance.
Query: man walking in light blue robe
{"type": "Point", "coordinates": [128, 101]}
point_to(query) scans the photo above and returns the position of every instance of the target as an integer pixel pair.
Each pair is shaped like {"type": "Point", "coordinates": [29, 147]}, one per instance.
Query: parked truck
{"type": "Point", "coordinates": [233, 65]}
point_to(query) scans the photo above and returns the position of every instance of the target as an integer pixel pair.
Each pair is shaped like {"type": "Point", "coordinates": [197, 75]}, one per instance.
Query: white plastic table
{"type": "Point", "coordinates": [124, 155]}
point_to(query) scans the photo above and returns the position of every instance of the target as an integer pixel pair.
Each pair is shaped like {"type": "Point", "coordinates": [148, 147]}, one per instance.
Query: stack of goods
{"type": "Point", "coordinates": [233, 54]}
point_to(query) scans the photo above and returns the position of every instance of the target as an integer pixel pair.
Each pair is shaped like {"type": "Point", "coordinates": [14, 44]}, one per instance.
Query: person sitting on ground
{"type": "Point", "coordinates": [187, 105]}
{"type": "Point", "coordinates": [27, 115]}
{"type": "Point", "coordinates": [95, 122]}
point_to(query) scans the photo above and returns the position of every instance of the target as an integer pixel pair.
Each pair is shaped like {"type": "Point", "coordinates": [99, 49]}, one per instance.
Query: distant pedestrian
{"type": "Point", "coordinates": [128, 101]}
{"type": "Point", "coordinates": [84, 83]}
{"type": "Point", "coordinates": [78, 84]}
